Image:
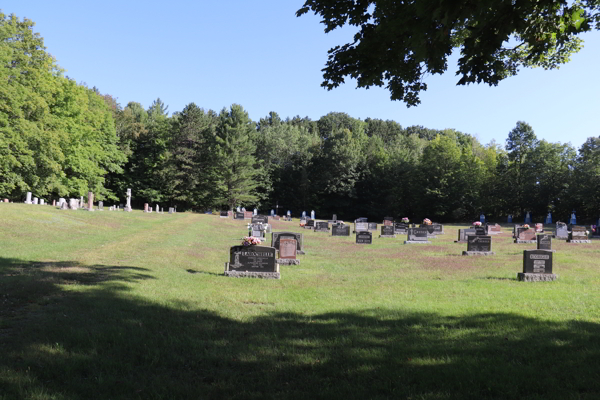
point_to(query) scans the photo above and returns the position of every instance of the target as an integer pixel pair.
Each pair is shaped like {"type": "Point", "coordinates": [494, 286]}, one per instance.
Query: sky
{"type": "Point", "coordinates": [260, 55]}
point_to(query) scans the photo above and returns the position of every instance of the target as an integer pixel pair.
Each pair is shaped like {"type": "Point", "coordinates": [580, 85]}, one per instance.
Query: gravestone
{"type": "Point", "coordinates": [334, 217]}
{"type": "Point", "coordinates": [28, 199]}
{"type": "Point", "coordinates": [90, 206]}
{"type": "Point", "coordinates": [480, 231]}
{"type": "Point", "coordinates": [36, 200]}
{"type": "Point", "coordinates": [260, 219]}
{"type": "Point", "coordinates": [64, 205]}
{"type": "Point", "coordinates": [364, 238]}
{"type": "Point", "coordinates": [340, 230]}
{"type": "Point", "coordinates": [578, 235]}
{"type": "Point", "coordinates": [287, 252]}
{"type": "Point", "coordinates": [430, 230]}
{"type": "Point", "coordinates": [478, 245]}
{"type": "Point", "coordinates": [287, 218]}
{"type": "Point", "coordinates": [463, 233]}
{"type": "Point", "coordinates": [146, 209]}
{"type": "Point", "coordinates": [388, 221]}
{"type": "Point", "coordinates": [310, 224]}
{"type": "Point", "coordinates": [157, 208]}
{"type": "Point", "coordinates": [494, 229]}
{"type": "Point", "coordinates": [361, 219]}
{"type": "Point", "coordinates": [549, 218]}
{"type": "Point", "coordinates": [438, 229]}
{"type": "Point", "coordinates": [573, 219]}
{"type": "Point", "coordinates": [401, 228]}
{"type": "Point", "coordinates": [562, 231]}
{"type": "Point", "coordinates": [61, 201]}
{"type": "Point", "coordinates": [238, 215]}
{"type": "Point", "coordinates": [525, 235]}
{"type": "Point", "coordinates": [41, 202]}
{"type": "Point", "coordinates": [544, 242]}
{"type": "Point", "coordinates": [515, 230]}
{"type": "Point", "coordinates": [255, 212]}
{"type": "Point", "coordinates": [73, 204]}
{"type": "Point", "coordinates": [312, 214]}
{"type": "Point", "coordinates": [537, 266]}
{"type": "Point", "coordinates": [372, 226]}
{"type": "Point", "coordinates": [322, 227]}
{"type": "Point", "coordinates": [509, 219]}
{"type": "Point", "coordinates": [527, 218]}
{"type": "Point", "coordinates": [100, 206]}
{"type": "Point", "coordinates": [387, 231]}
{"type": "Point", "coordinates": [128, 205]}
{"type": "Point", "coordinates": [222, 214]}
{"type": "Point", "coordinates": [417, 236]}
{"type": "Point", "coordinates": [298, 237]}
{"type": "Point", "coordinates": [172, 210]}
{"type": "Point", "coordinates": [252, 261]}
{"type": "Point", "coordinates": [258, 231]}
{"type": "Point", "coordinates": [247, 215]}
{"type": "Point", "coordinates": [361, 227]}
{"type": "Point", "coordinates": [53, 202]}
{"type": "Point", "coordinates": [539, 228]}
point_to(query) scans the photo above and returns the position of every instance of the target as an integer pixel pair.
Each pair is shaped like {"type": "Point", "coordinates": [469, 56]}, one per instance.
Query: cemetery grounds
{"type": "Point", "coordinates": [116, 305]}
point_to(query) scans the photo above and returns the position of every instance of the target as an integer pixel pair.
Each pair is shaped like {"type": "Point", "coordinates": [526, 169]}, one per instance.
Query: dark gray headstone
{"type": "Point", "coordinates": [252, 261]}
{"type": "Point", "coordinates": [562, 231]}
{"type": "Point", "coordinates": [537, 262]}
{"type": "Point", "coordinates": [387, 230]}
{"type": "Point", "coordinates": [438, 229]}
{"type": "Point", "coordinates": [322, 227]}
{"type": "Point", "coordinates": [364, 238]}
{"type": "Point", "coordinates": [340, 230]}
{"type": "Point", "coordinates": [417, 234]}
{"type": "Point", "coordinates": [479, 243]}
{"type": "Point", "coordinates": [275, 236]}
{"type": "Point", "coordinates": [544, 242]}
{"type": "Point", "coordinates": [310, 223]}
{"type": "Point", "coordinates": [463, 233]}
{"type": "Point", "coordinates": [264, 219]}
{"type": "Point", "coordinates": [372, 226]}
{"type": "Point", "coordinates": [223, 214]}
{"type": "Point", "coordinates": [480, 231]}
{"type": "Point", "coordinates": [401, 228]}
{"type": "Point", "coordinates": [238, 215]}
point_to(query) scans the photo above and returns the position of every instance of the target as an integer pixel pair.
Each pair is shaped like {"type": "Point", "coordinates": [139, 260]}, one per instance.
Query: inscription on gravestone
{"type": "Point", "coordinates": [340, 230]}
{"type": "Point", "coordinates": [238, 215]}
{"type": "Point", "coordinates": [361, 226]}
{"type": "Point", "coordinates": [372, 226]}
{"type": "Point", "coordinates": [263, 219]}
{"type": "Point", "coordinates": [364, 238]}
{"type": "Point", "coordinates": [537, 262]}
{"type": "Point", "coordinates": [401, 228]}
{"type": "Point", "coordinates": [310, 223]}
{"type": "Point", "coordinates": [562, 232]}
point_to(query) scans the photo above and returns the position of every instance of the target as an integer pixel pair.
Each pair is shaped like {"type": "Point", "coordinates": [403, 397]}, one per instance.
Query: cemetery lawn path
{"type": "Point", "coordinates": [115, 305]}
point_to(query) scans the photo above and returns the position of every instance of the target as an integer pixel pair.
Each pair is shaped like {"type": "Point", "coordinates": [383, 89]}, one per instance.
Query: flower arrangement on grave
{"type": "Point", "coordinates": [250, 241]}
{"type": "Point", "coordinates": [405, 220]}
{"type": "Point", "coordinates": [426, 221]}
{"type": "Point", "coordinates": [526, 226]}
{"type": "Point", "coordinates": [477, 223]}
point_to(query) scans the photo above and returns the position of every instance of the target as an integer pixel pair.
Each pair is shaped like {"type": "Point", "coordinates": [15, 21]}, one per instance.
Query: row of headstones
{"type": "Point", "coordinates": [75, 204]}
{"type": "Point", "coordinates": [148, 209]}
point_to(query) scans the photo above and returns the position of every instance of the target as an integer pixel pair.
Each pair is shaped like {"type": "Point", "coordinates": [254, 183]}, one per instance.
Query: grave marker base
{"type": "Point", "coordinates": [321, 230]}
{"type": "Point", "coordinates": [529, 277]}
{"type": "Point", "coordinates": [579, 241]}
{"type": "Point", "coordinates": [478, 253]}
{"type": "Point", "coordinates": [287, 261]}
{"type": "Point", "coordinates": [250, 274]}
{"type": "Point", "coordinates": [460, 241]}
{"type": "Point", "coordinates": [388, 236]}
{"type": "Point", "coordinates": [417, 242]}
{"type": "Point", "coordinates": [525, 241]}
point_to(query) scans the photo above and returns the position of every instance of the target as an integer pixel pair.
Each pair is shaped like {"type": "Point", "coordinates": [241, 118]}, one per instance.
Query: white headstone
{"type": "Point", "coordinates": [35, 200]}
{"type": "Point", "coordinates": [312, 214]}
{"type": "Point", "coordinates": [157, 208]}
{"type": "Point", "coordinates": [128, 206]}
{"type": "Point", "coordinates": [41, 202]}
{"type": "Point", "coordinates": [28, 200]}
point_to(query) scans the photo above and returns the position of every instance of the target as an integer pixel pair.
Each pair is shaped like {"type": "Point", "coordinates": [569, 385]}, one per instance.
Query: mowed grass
{"type": "Point", "coordinates": [115, 305]}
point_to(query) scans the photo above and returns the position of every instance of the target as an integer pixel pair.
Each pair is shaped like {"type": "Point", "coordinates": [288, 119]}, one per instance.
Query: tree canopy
{"type": "Point", "coordinates": [400, 42]}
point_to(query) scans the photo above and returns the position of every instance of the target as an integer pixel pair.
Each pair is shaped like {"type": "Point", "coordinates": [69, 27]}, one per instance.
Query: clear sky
{"type": "Point", "coordinates": [260, 55]}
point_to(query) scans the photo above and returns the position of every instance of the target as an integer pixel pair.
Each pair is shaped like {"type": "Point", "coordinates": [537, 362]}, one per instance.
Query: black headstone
{"type": "Point", "coordinates": [429, 228]}
{"type": "Point", "coordinates": [399, 227]}
{"type": "Point", "coordinates": [417, 234]}
{"type": "Point", "coordinates": [264, 219]}
{"type": "Point", "coordinates": [544, 242]}
{"type": "Point", "coordinates": [275, 236]}
{"type": "Point", "coordinates": [238, 215]}
{"type": "Point", "coordinates": [252, 259]}
{"type": "Point", "coordinates": [340, 230]}
{"type": "Point", "coordinates": [463, 233]}
{"type": "Point", "coordinates": [310, 222]}
{"type": "Point", "coordinates": [479, 243]}
{"type": "Point", "coordinates": [322, 226]}
{"type": "Point", "coordinates": [387, 230]}
{"type": "Point", "coordinates": [537, 261]}
{"type": "Point", "coordinates": [372, 226]}
{"type": "Point", "coordinates": [479, 231]}
{"type": "Point", "coordinates": [364, 238]}
{"type": "Point", "coordinates": [224, 214]}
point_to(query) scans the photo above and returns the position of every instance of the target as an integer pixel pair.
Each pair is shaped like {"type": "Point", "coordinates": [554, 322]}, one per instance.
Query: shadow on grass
{"type": "Point", "coordinates": [103, 344]}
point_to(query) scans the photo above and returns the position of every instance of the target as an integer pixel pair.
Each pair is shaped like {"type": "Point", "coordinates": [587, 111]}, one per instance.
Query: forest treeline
{"type": "Point", "coordinates": [62, 139]}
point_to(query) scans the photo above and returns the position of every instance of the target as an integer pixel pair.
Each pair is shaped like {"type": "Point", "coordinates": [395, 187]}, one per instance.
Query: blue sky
{"type": "Point", "coordinates": [260, 55]}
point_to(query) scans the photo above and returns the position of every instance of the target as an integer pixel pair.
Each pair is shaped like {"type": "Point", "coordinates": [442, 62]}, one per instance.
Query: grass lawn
{"type": "Point", "coordinates": [115, 305]}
